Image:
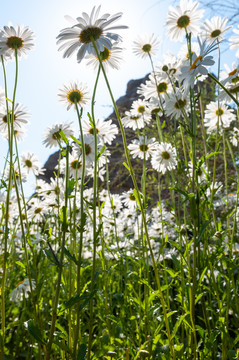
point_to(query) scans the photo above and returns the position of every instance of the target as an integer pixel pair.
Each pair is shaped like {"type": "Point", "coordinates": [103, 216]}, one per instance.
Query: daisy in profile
{"type": "Point", "coordinates": [19, 134]}
{"type": "Point", "coordinates": [234, 40]}
{"type": "Point", "coordinates": [132, 121]}
{"type": "Point", "coordinates": [110, 58]}
{"type": "Point", "coordinates": [185, 18]}
{"type": "Point", "coordinates": [18, 39]}
{"type": "Point", "coordinates": [218, 114]}
{"type": "Point", "coordinates": [142, 147]}
{"type": "Point", "coordinates": [164, 158]}
{"type": "Point", "coordinates": [30, 162]}
{"type": "Point", "coordinates": [52, 135]}
{"type": "Point", "coordinates": [22, 290]}
{"type": "Point", "coordinates": [199, 65]}
{"type": "Point", "coordinates": [19, 119]}
{"type": "Point", "coordinates": [78, 38]}
{"type": "Point", "coordinates": [74, 94]}
{"type": "Point", "coordinates": [146, 45]}
{"type": "Point", "coordinates": [105, 130]}
{"type": "Point", "coordinates": [214, 28]}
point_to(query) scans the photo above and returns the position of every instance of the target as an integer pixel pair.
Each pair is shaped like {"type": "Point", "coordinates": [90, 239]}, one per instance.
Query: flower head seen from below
{"type": "Point", "coordinates": [214, 29]}
{"type": "Point", "coordinates": [106, 131]}
{"type": "Point", "coordinates": [234, 40]}
{"type": "Point", "coordinates": [86, 30]}
{"type": "Point", "coordinates": [218, 114]}
{"type": "Point", "coordinates": [74, 94]}
{"type": "Point", "coordinates": [19, 119]}
{"type": "Point", "coordinates": [164, 158]}
{"type": "Point", "coordinates": [185, 18]}
{"type": "Point", "coordinates": [110, 58]}
{"type": "Point", "coordinates": [146, 45]}
{"type": "Point", "coordinates": [31, 164]}
{"type": "Point", "coordinates": [52, 135]}
{"type": "Point", "coordinates": [18, 39]}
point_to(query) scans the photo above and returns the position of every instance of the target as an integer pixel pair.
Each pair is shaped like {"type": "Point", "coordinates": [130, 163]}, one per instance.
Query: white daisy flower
{"type": "Point", "coordinates": [199, 65]}
{"type": "Point", "coordinates": [75, 165]}
{"type": "Point", "coordinates": [214, 29]}
{"type": "Point", "coordinates": [158, 86]}
{"type": "Point", "coordinates": [30, 162]}
{"type": "Point", "coordinates": [18, 39]}
{"type": "Point", "coordinates": [74, 93]}
{"type": "Point", "coordinates": [184, 18]}
{"type": "Point", "coordinates": [135, 121]}
{"type": "Point", "coordinates": [19, 134]}
{"type": "Point", "coordinates": [129, 200]}
{"type": "Point", "coordinates": [52, 134]}
{"type": "Point", "coordinates": [105, 130]}
{"type": "Point", "coordinates": [146, 45]}
{"type": "Point", "coordinates": [20, 117]}
{"type": "Point", "coordinates": [79, 37]}
{"type": "Point", "coordinates": [110, 58]}
{"type": "Point", "coordinates": [89, 142]}
{"type": "Point", "coordinates": [140, 107]}
{"type": "Point", "coordinates": [183, 52]}
{"type": "Point", "coordinates": [177, 104]}
{"type": "Point", "coordinates": [164, 158]}
{"type": "Point", "coordinates": [234, 137]}
{"type": "Point", "coordinates": [169, 68]}
{"type": "Point", "coordinates": [214, 114]}
{"type": "Point", "coordinates": [22, 289]}
{"type": "Point", "coordinates": [230, 79]}
{"type": "Point", "coordinates": [235, 41]}
{"type": "Point", "coordinates": [142, 147]}
{"type": "Point", "coordinates": [37, 209]}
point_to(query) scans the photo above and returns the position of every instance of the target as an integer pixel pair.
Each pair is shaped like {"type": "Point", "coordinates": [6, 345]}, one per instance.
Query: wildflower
{"type": "Point", "coordinates": [112, 204]}
{"type": "Point", "coordinates": [157, 86]}
{"type": "Point", "coordinates": [164, 157]}
{"type": "Point", "coordinates": [169, 68]}
{"type": "Point", "coordinates": [214, 29]}
{"type": "Point", "coordinates": [20, 117]}
{"type": "Point", "coordinates": [135, 122]}
{"type": "Point", "coordinates": [110, 58]}
{"type": "Point", "coordinates": [146, 45]}
{"type": "Point", "coordinates": [22, 289]}
{"type": "Point", "coordinates": [105, 130]}
{"type": "Point", "coordinates": [219, 114]}
{"type": "Point", "coordinates": [183, 52]}
{"type": "Point", "coordinates": [15, 39]}
{"type": "Point", "coordinates": [140, 107]}
{"type": "Point", "coordinates": [19, 134]}
{"type": "Point", "coordinates": [38, 209]}
{"type": "Point", "coordinates": [183, 19]}
{"type": "Point", "coordinates": [198, 66]}
{"type": "Point", "coordinates": [75, 165]}
{"type": "Point", "coordinates": [74, 93]}
{"type": "Point", "coordinates": [31, 164]}
{"type": "Point", "coordinates": [89, 142]}
{"type": "Point", "coordinates": [177, 104]}
{"type": "Point", "coordinates": [129, 200]}
{"type": "Point", "coordinates": [235, 41]}
{"type": "Point", "coordinates": [86, 30]}
{"type": "Point", "coordinates": [234, 137]}
{"type": "Point", "coordinates": [52, 134]}
{"type": "Point", "coordinates": [230, 79]}
{"type": "Point", "coordinates": [142, 147]}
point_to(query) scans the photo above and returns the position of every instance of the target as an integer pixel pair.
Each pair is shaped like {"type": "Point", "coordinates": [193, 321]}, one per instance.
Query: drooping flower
{"type": "Point", "coordinates": [145, 45]}
{"type": "Point", "coordinates": [22, 289]}
{"type": "Point", "coordinates": [110, 58]}
{"type": "Point", "coordinates": [214, 28]}
{"type": "Point", "coordinates": [52, 134]}
{"type": "Point", "coordinates": [164, 157]}
{"type": "Point", "coordinates": [142, 147]}
{"type": "Point", "coordinates": [235, 41]}
{"type": "Point", "coordinates": [74, 94]}
{"type": "Point", "coordinates": [18, 39]}
{"type": "Point", "coordinates": [199, 65]}
{"type": "Point", "coordinates": [86, 29]}
{"type": "Point", "coordinates": [219, 114]}
{"type": "Point", "coordinates": [184, 18]}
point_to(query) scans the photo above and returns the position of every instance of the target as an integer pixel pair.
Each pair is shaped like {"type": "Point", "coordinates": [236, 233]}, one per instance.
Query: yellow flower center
{"type": "Point", "coordinates": [183, 21]}
{"type": "Point", "coordinates": [15, 42]}
{"type": "Point", "coordinates": [90, 33]}
{"type": "Point", "coordinates": [74, 96]}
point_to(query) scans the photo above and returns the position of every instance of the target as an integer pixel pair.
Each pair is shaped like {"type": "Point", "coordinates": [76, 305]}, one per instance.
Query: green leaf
{"type": "Point", "coordinates": [124, 163]}
{"type": "Point", "coordinates": [82, 352]}
{"type": "Point", "coordinates": [62, 345]}
{"type": "Point", "coordinates": [35, 332]}
{"type": "Point", "coordinates": [71, 257]}
{"type": "Point", "coordinates": [178, 323]}
{"type": "Point", "coordinates": [64, 138]}
{"type": "Point", "coordinates": [83, 299]}
{"type": "Point", "coordinates": [101, 151]}
{"type": "Point", "coordinates": [203, 228]}
{"type": "Point", "coordinates": [50, 257]}
{"type": "Point", "coordinates": [21, 264]}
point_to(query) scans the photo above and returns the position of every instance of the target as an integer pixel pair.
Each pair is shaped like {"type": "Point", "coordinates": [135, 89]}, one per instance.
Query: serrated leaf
{"type": "Point", "coordinates": [70, 256]}
{"type": "Point", "coordinates": [81, 354]}
{"type": "Point", "coordinates": [35, 332]}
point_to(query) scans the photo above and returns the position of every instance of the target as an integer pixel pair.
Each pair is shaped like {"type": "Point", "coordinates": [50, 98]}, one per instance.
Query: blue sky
{"type": "Point", "coordinates": [44, 71]}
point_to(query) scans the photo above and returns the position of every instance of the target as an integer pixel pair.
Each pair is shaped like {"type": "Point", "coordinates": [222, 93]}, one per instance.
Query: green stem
{"type": "Point", "coordinates": [140, 205]}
